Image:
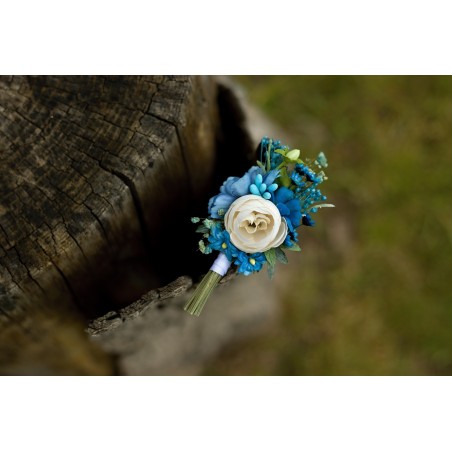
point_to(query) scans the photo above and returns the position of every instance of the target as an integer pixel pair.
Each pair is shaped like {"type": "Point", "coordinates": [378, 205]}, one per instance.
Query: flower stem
{"type": "Point", "coordinates": [268, 155]}
{"type": "Point", "coordinates": [200, 296]}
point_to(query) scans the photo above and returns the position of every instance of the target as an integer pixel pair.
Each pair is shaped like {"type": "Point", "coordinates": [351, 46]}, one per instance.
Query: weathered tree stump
{"type": "Point", "coordinates": [98, 179]}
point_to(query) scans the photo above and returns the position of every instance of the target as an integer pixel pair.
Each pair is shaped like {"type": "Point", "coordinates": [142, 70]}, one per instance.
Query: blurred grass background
{"type": "Point", "coordinates": [371, 292]}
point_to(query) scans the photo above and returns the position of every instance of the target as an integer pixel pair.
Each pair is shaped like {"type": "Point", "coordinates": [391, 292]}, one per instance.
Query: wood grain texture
{"type": "Point", "coordinates": [93, 173]}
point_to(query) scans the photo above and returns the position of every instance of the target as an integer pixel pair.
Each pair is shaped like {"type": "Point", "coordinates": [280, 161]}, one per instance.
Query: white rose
{"type": "Point", "coordinates": [255, 224]}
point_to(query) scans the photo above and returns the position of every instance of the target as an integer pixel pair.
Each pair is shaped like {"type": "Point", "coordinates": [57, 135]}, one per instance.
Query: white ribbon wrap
{"type": "Point", "coordinates": [221, 264]}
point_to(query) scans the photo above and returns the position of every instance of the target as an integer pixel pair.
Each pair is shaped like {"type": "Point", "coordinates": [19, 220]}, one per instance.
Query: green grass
{"type": "Point", "coordinates": [371, 293]}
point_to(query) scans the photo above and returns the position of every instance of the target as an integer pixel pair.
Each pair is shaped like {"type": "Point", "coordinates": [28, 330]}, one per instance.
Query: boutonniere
{"type": "Point", "coordinates": [254, 219]}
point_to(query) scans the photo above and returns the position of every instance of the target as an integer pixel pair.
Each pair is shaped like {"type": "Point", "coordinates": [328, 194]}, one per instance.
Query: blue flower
{"type": "Point", "coordinates": [289, 207]}
{"type": "Point", "coordinates": [249, 263]}
{"type": "Point", "coordinates": [219, 240]}
{"type": "Point", "coordinates": [270, 145]}
{"type": "Point", "coordinates": [306, 181]}
{"type": "Point", "coordinates": [297, 179]}
{"type": "Point", "coordinates": [307, 220]}
{"type": "Point", "coordinates": [291, 238]}
{"type": "Point", "coordinates": [310, 176]}
{"type": "Point", "coordinates": [235, 187]}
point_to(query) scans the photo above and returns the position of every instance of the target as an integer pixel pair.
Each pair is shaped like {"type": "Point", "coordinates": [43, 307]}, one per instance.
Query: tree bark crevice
{"type": "Point", "coordinates": [99, 179]}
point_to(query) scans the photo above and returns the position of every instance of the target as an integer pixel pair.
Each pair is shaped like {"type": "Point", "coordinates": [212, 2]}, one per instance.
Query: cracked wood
{"type": "Point", "coordinates": [92, 171]}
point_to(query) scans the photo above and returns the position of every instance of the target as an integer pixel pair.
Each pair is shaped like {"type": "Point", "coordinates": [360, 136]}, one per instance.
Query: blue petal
{"type": "Point", "coordinates": [295, 212]}
{"type": "Point", "coordinates": [283, 194]}
{"type": "Point", "coordinates": [241, 186]}
{"type": "Point", "coordinates": [283, 209]}
{"type": "Point", "coordinates": [287, 241]}
{"type": "Point", "coordinates": [218, 202]}
{"type": "Point", "coordinates": [226, 187]}
{"type": "Point", "coordinates": [254, 171]}
{"type": "Point", "coordinates": [271, 176]}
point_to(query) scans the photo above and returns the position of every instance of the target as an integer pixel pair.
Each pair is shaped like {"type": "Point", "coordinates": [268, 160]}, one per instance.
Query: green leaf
{"type": "Point", "coordinates": [270, 255]}
{"type": "Point", "coordinates": [268, 154]}
{"type": "Point", "coordinates": [281, 256]}
{"type": "Point", "coordinates": [293, 155]}
{"type": "Point", "coordinates": [284, 179]}
{"type": "Point", "coordinates": [294, 247]}
{"type": "Point", "coordinates": [260, 165]}
{"type": "Point", "coordinates": [271, 271]}
{"type": "Point", "coordinates": [203, 229]}
{"type": "Point", "coordinates": [321, 206]}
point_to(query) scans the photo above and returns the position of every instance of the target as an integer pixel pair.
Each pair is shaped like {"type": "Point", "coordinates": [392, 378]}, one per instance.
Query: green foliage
{"type": "Point", "coordinates": [294, 247]}
{"type": "Point", "coordinates": [281, 256]}
{"type": "Point", "coordinates": [202, 229]}
{"type": "Point", "coordinates": [283, 178]}
{"type": "Point", "coordinates": [270, 255]}
{"type": "Point", "coordinates": [203, 247]}
{"type": "Point", "coordinates": [271, 271]}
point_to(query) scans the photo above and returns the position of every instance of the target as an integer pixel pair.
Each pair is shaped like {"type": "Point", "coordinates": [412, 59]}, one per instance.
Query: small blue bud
{"type": "Point", "coordinates": [266, 195]}
{"type": "Point", "coordinates": [254, 190]}
{"type": "Point", "coordinates": [272, 187]}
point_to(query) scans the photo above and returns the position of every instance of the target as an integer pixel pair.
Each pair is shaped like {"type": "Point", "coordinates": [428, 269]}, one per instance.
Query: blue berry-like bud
{"type": "Point", "coordinates": [266, 195]}
{"type": "Point", "coordinates": [254, 190]}
{"type": "Point", "coordinates": [272, 187]}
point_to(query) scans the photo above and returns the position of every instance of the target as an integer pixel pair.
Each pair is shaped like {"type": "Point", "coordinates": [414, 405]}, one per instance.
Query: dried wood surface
{"type": "Point", "coordinates": [94, 171]}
